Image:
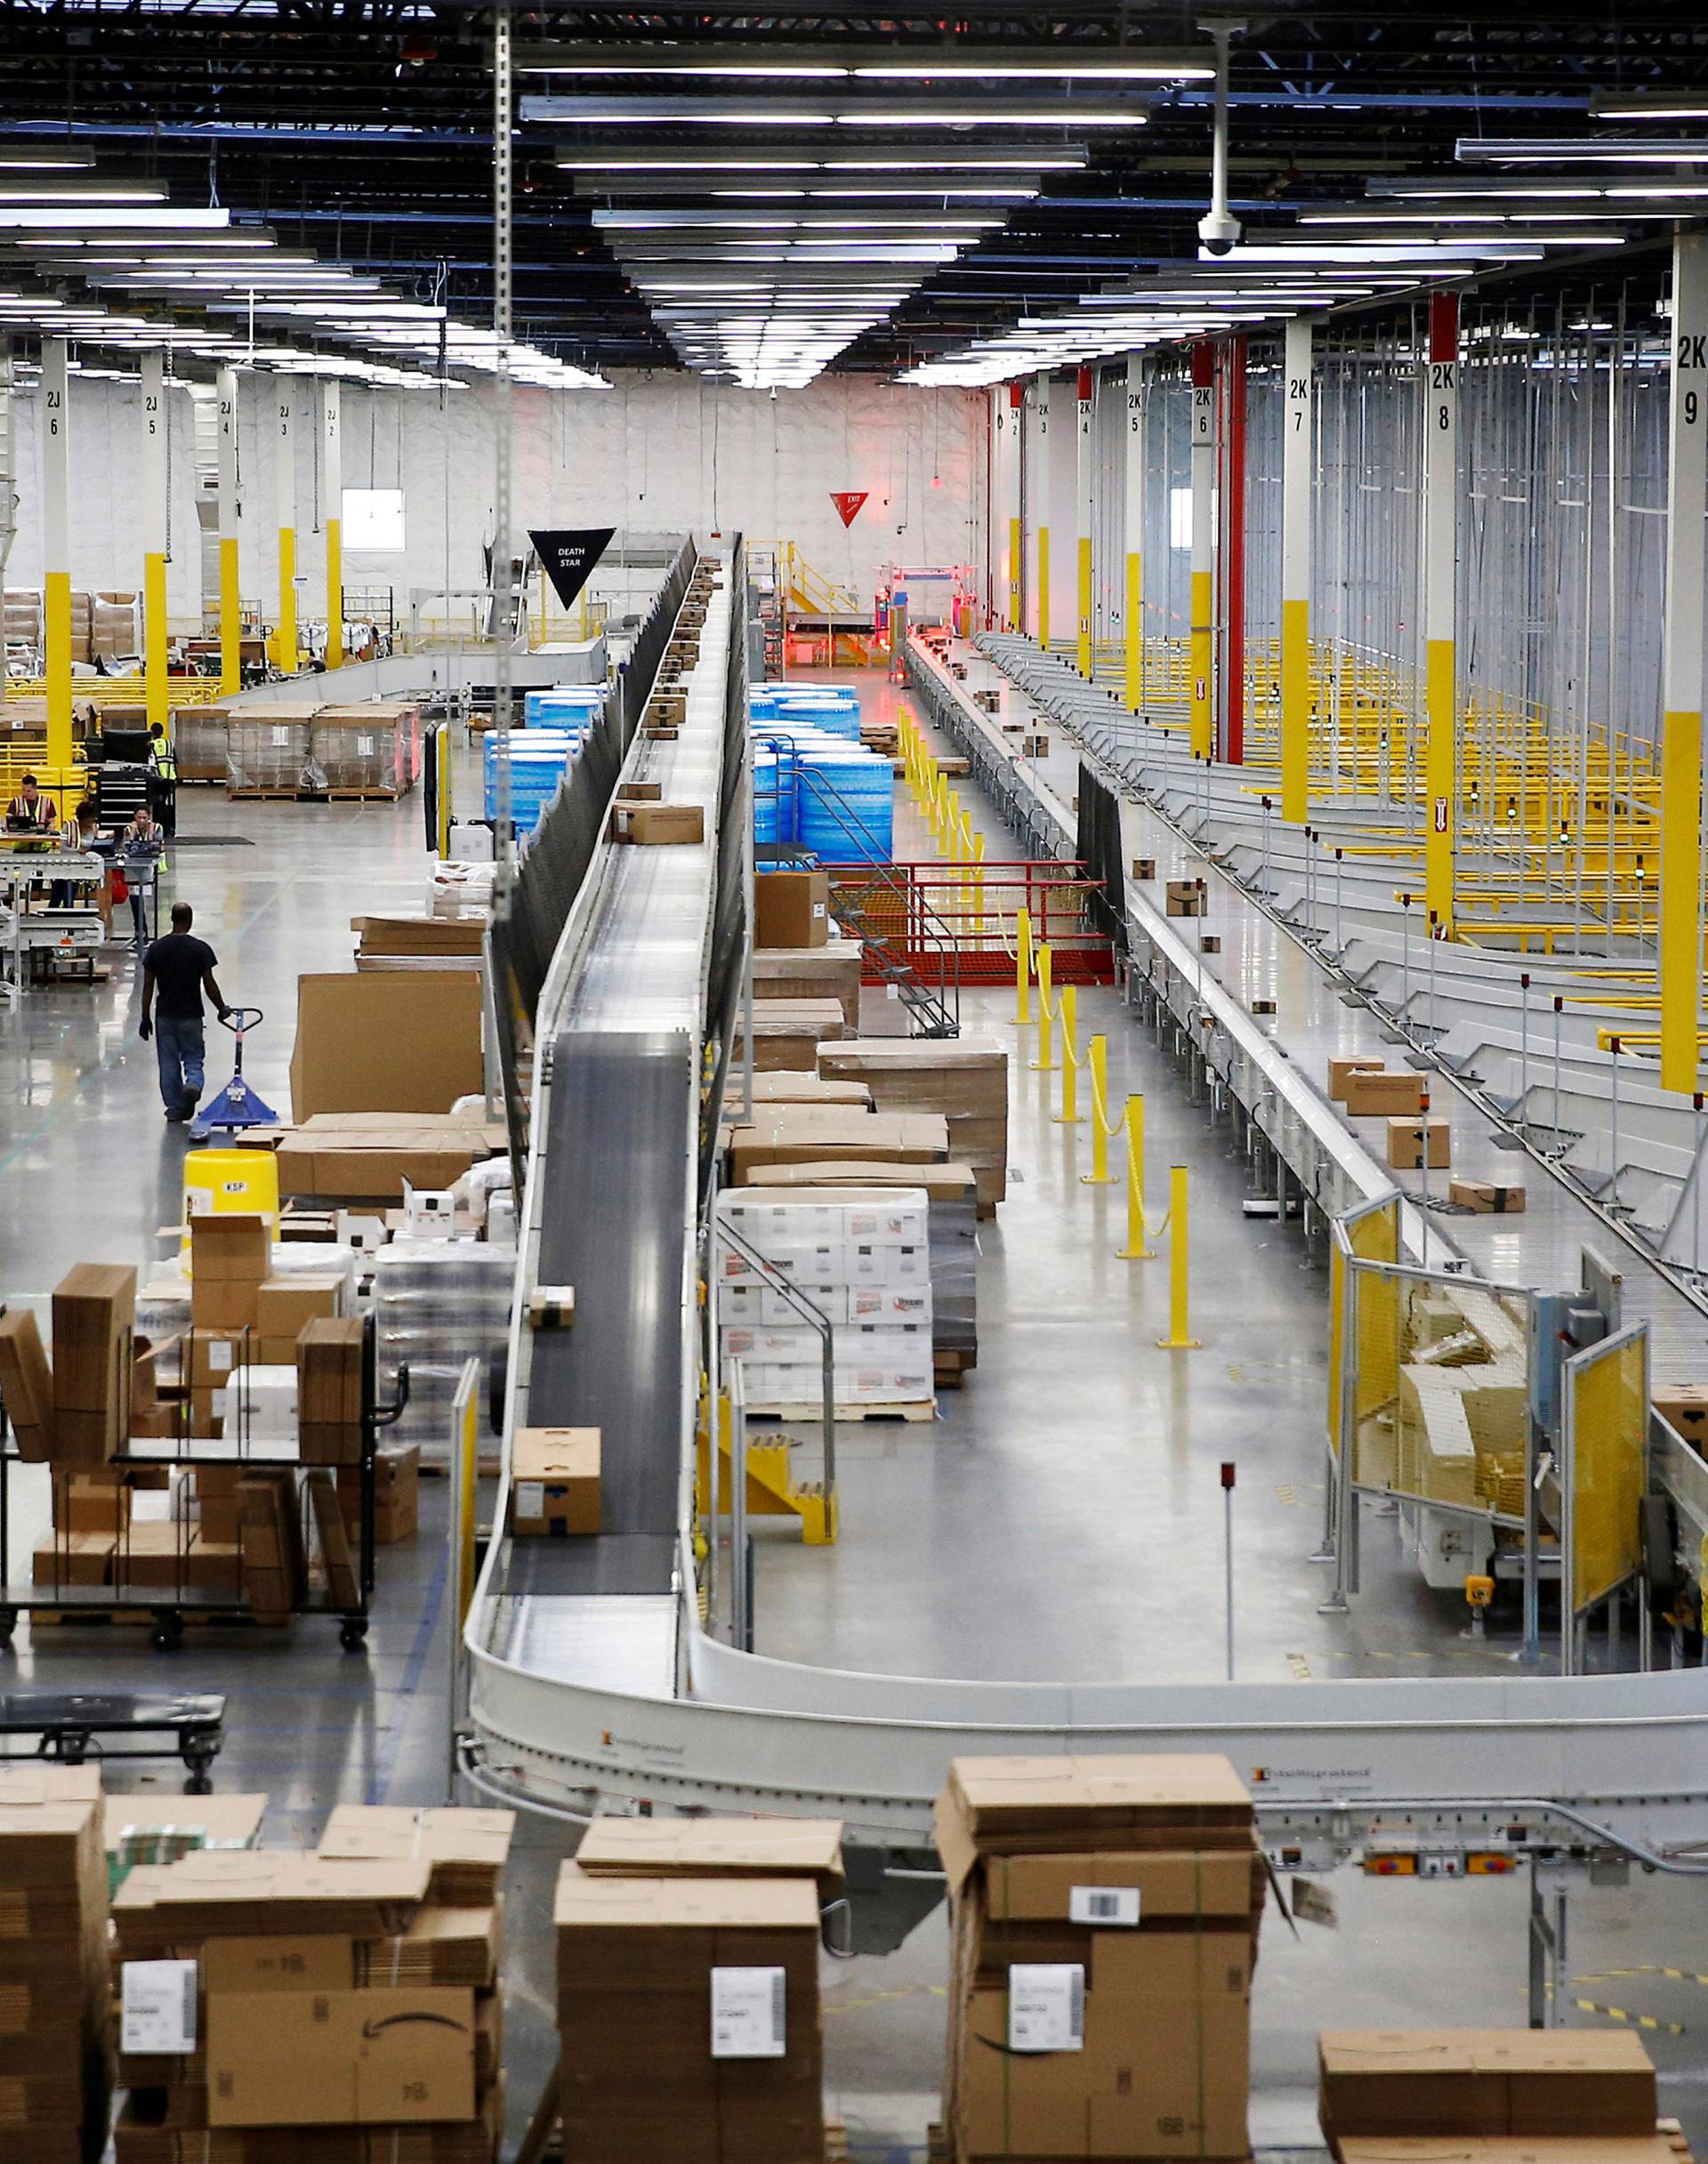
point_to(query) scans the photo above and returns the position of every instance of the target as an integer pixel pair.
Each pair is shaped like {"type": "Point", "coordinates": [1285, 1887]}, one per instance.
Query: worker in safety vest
{"type": "Point", "coordinates": [163, 777]}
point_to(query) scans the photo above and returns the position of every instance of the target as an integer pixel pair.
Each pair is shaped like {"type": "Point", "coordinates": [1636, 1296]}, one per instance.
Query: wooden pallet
{"type": "Point", "coordinates": [362, 796]}
{"type": "Point", "coordinates": [921, 1409]}
{"type": "Point", "coordinates": [836, 2148]}
{"type": "Point", "coordinates": [264, 796]}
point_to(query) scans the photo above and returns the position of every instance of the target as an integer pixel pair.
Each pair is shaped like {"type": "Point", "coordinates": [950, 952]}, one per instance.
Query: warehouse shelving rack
{"type": "Point", "coordinates": [169, 1606]}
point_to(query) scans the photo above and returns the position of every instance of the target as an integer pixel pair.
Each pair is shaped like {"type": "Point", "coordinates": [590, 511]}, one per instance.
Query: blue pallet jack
{"type": "Point", "coordinates": [236, 1106]}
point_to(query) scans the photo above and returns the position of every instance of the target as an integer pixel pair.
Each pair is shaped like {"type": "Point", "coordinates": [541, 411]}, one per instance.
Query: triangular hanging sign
{"type": "Point", "coordinates": [570, 554]}
{"type": "Point", "coordinates": [848, 502]}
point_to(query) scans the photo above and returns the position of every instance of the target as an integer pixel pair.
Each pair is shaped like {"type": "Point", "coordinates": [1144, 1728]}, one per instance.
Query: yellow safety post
{"type": "Point", "coordinates": [978, 886]}
{"type": "Point", "coordinates": [1179, 1339]}
{"type": "Point", "coordinates": [1067, 1011]}
{"type": "Point", "coordinates": [1022, 965]}
{"type": "Point", "coordinates": [956, 834]}
{"type": "Point", "coordinates": [1135, 1250]}
{"type": "Point", "coordinates": [1097, 1053]}
{"type": "Point", "coordinates": [1043, 1064]}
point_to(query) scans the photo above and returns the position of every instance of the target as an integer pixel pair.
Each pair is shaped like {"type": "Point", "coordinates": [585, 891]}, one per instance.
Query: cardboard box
{"type": "Point", "coordinates": [26, 1384]}
{"type": "Point", "coordinates": [657, 825]}
{"type": "Point", "coordinates": [296, 2058]}
{"type": "Point", "coordinates": [1408, 1139]}
{"type": "Point", "coordinates": [466, 1850]}
{"type": "Point", "coordinates": [419, 935]}
{"type": "Point", "coordinates": [73, 1559]}
{"type": "Point", "coordinates": [229, 1248]}
{"type": "Point", "coordinates": [91, 1502]}
{"type": "Point", "coordinates": [152, 1558]}
{"type": "Point", "coordinates": [1183, 898]}
{"type": "Point", "coordinates": [1378, 1094]}
{"type": "Point", "coordinates": [370, 1156]}
{"type": "Point", "coordinates": [330, 1368]}
{"type": "Point", "coordinates": [1021, 1805]}
{"type": "Point", "coordinates": [830, 972]}
{"type": "Point", "coordinates": [1144, 868]}
{"type": "Point", "coordinates": [212, 1356]}
{"type": "Point", "coordinates": [1485, 1198]}
{"type": "Point", "coordinates": [555, 1481]}
{"type": "Point", "coordinates": [1684, 1407]}
{"type": "Point", "coordinates": [94, 1308]}
{"type": "Point", "coordinates": [1355, 1062]}
{"type": "Point", "coordinates": [394, 1041]}
{"type": "Point", "coordinates": [614, 1846]}
{"type": "Point", "coordinates": [791, 909]}
{"type": "Point", "coordinates": [1485, 2082]}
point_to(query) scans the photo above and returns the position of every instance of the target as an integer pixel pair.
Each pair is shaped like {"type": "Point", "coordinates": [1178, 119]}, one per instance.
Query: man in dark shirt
{"type": "Point", "coordinates": [176, 968]}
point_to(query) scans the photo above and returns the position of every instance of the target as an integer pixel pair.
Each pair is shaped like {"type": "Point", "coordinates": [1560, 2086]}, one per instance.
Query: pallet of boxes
{"type": "Point", "coordinates": [1489, 2096]}
{"type": "Point", "coordinates": [689, 1948]}
{"type": "Point", "coordinates": [342, 2007]}
{"type": "Point", "coordinates": [1104, 1915]}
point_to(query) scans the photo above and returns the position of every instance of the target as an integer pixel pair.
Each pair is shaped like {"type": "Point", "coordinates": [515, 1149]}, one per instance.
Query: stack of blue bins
{"type": "Point", "coordinates": [541, 751]}
{"type": "Point", "coordinates": [816, 788]}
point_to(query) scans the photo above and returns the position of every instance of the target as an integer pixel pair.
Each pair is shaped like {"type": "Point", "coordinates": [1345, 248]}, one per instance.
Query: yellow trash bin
{"type": "Point", "coordinates": [236, 1182]}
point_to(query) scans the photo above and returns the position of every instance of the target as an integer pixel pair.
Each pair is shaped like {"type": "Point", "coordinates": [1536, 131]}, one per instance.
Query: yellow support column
{"type": "Point", "coordinates": [1296, 480]}
{"type": "Point", "coordinates": [1440, 607]}
{"type": "Point", "coordinates": [157, 538]}
{"type": "Point", "coordinates": [332, 497]}
{"type": "Point", "coordinates": [1201, 659]}
{"type": "Point", "coordinates": [1681, 666]}
{"type": "Point", "coordinates": [1133, 612]}
{"type": "Point", "coordinates": [56, 547]}
{"type": "Point", "coordinates": [1179, 1339]}
{"type": "Point", "coordinates": [286, 654]}
{"type": "Point", "coordinates": [1083, 411]}
{"type": "Point", "coordinates": [231, 606]}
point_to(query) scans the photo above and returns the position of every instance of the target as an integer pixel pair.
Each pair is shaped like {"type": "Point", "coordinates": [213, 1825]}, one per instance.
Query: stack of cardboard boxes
{"type": "Point", "coordinates": [1488, 2096]}
{"type": "Point", "coordinates": [687, 1992]}
{"type": "Point", "coordinates": [55, 2063]}
{"type": "Point", "coordinates": [1104, 1918]}
{"type": "Point", "coordinates": [965, 1079]}
{"type": "Point", "coordinates": [397, 1495]}
{"type": "Point", "coordinates": [342, 2006]}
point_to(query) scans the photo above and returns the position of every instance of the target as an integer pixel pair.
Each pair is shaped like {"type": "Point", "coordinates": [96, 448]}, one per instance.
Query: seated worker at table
{"type": "Point", "coordinates": [32, 811]}
{"type": "Point", "coordinates": [175, 972]}
{"type": "Point", "coordinates": [139, 850]}
{"type": "Point", "coordinates": [82, 831]}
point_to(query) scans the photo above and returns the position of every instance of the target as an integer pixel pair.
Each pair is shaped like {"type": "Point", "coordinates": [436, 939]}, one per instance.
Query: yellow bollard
{"type": "Point", "coordinates": [1098, 1053]}
{"type": "Point", "coordinates": [978, 888]}
{"type": "Point", "coordinates": [1178, 1340]}
{"type": "Point", "coordinates": [956, 829]}
{"type": "Point", "coordinates": [1135, 1250]}
{"type": "Point", "coordinates": [1068, 1009]}
{"type": "Point", "coordinates": [1043, 1064]}
{"type": "Point", "coordinates": [1022, 965]}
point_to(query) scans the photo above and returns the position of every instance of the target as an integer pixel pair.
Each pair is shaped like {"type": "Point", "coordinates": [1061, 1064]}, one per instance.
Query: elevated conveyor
{"type": "Point", "coordinates": [593, 1684]}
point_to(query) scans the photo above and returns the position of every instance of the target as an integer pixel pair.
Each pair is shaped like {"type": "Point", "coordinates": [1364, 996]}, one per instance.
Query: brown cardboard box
{"type": "Point", "coordinates": [262, 1892]}
{"type": "Point", "coordinates": [394, 1041]}
{"type": "Point", "coordinates": [283, 1305]}
{"type": "Point", "coordinates": [787, 1033]}
{"type": "Point", "coordinates": [419, 935]}
{"type": "Point", "coordinates": [91, 1502]}
{"type": "Point", "coordinates": [1384, 1096]}
{"type": "Point", "coordinates": [214, 1566]}
{"type": "Point", "coordinates": [1183, 898]}
{"type": "Point", "coordinates": [637, 1958]}
{"type": "Point", "coordinates": [94, 1307]}
{"type": "Point", "coordinates": [368, 1156]}
{"type": "Point", "coordinates": [26, 1384]}
{"type": "Point", "coordinates": [1485, 1198]}
{"type": "Point", "coordinates": [796, 1134]}
{"type": "Point", "coordinates": [73, 1559]}
{"type": "Point", "coordinates": [296, 2058]}
{"type": "Point", "coordinates": [229, 1247]}
{"type": "Point", "coordinates": [1684, 1407]}
{"type": "Point", "coordinates": [329, 1370]}
{"type": "Point", "coordinates": [152, 1558]}
{"type": "Point", "coordinates": [466, 1850]}
{"type": "Point", "coordinates": [784, 1088]}
{"type": "Point", "coordinates": [397, 1493]}
{"type": "Point", "coordinates": [715, 1849]}
{"type": "Point", "coordinates": [1407, 1139]}
{"type": "Point", "coordinates": [1144, 868]}
{"type": "Point", "coordinates": [791, 909]}
{"type": "Point", "coordinates": [639, 793]}
{"type": "Point", "coordinates": [1355, 1063]}
{"type": "Point", "coordinates": [554, 1481]}
{"type": "Point", "coordinates": [216, 1493]}
{"type": "Point", "coordinates": [1507, 2149]}
{"type": "Point", "coordinates": [1045, 1806]}
{"type": "Point", "coordinates": [657, 825]}
{"type": "Point", "coordinates": [830, 972]}
{"type": "Point", "coordinates": [1485, 2082]}
{"type": "Point", "coordinates": [212, 1355]}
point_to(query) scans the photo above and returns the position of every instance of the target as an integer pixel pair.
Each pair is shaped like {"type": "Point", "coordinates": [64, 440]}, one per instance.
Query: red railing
{"type": "Point", "coordinates": [916, 911]}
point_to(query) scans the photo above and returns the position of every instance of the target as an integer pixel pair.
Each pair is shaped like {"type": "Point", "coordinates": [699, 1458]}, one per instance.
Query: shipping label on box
{"type": "Point", "coordinates": [1104, 1905]}
{"type": "Point", "coordinates": [749, 2013]}
{"type": "Point", "coordinates": [887, 1265]}
{"type": "Point", "coordinates": [157, 2003]}
{"type": "Point", "coordinates": [1046, 2006]}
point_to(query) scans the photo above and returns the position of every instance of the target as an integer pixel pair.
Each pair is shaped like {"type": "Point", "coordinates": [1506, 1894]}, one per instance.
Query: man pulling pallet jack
{"type": "Point", "coordinates": [175, 972]}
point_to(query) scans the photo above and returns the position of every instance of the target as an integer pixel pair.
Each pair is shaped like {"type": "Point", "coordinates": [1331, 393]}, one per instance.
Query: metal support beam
{"type": "Point", "coordinates": [1296, 480]}
{"type": "Point", "coordinates": [509, 616]}
{"type": "Point", "coordinates": [332, 511]}
{"type": "Point", "coordinates": [1233, 553]}
{"type": "Point", "coordinates": [1133, 615]}
{"type": "Point", "coordinates": [1201, 659]}
{"type": "Point", "coordinates": [1681, 662]}
{"type": "Point", "coordinates": [56, 548]}
{"type": "Point", "coordinates": [286, 651]}
{"type": "Point", "coordinates": [1083, 408]}
{"type": "Point", "coordinates": [1039, 464]}
{"type": "Point", "coordinates": [1440, 606]}
{"type": "Point", "coordinates": [1010, 425]}
{"type": "Point", "coordinates": [231, 512]}
{"type": "Point", "coordinates": [157, 536]}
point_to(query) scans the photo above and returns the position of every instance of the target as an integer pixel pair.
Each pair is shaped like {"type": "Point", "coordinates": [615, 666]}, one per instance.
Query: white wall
{"type": "Point", "coordinates": [661, 452]}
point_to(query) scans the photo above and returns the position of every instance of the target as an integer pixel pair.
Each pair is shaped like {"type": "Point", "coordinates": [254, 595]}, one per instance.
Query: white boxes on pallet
{"type": "Point", "coordinates": [863, 1257]}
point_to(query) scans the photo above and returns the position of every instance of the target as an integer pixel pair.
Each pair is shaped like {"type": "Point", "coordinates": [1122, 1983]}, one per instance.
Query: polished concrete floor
{"type": "Point", "coordinates": [1063, 1517]}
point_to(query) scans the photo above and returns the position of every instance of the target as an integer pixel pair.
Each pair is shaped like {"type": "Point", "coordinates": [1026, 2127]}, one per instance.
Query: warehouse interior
{"type": "Point", "coordinates": [851, 922]}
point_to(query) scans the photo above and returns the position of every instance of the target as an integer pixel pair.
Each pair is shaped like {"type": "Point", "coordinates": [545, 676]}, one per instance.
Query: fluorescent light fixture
{"type": "Point", "coordinates": [1577, 150]}
{"type": "Point", "coordinates": [742, 113]}
{"type": "Point", "coordinates": [99, 218]}
{"type": "Point", "coordinates": [1652, 105]}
